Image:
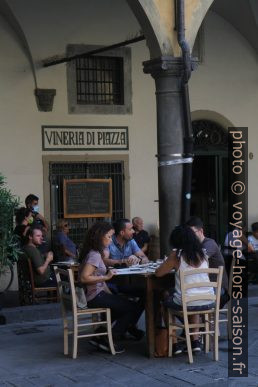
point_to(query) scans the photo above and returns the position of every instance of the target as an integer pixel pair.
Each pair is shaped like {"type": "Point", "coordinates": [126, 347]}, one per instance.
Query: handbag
{"type": "Point", "coordinates": [80, 298]}
{"type": "Point", "coordinates": [161, 342]}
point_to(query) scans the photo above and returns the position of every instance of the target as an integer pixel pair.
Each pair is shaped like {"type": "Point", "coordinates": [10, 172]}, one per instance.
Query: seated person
{"type": "Point", "coordinates": [93, 273]}
{"type": "Point", "coordinates": [187, 254]}
{"type": "Point", "coordinates": [253, 239]}
{"type": "Point", "coordinates": [232, 243]}
{"type": "Point", "coordinates": [212, 250]}
{"type": "Point", "coordinates": [63, 246]}
{"type": "Point", "coordinates": [140, 236]}
{"type": "Point", "coordinates": [43, 276]}
{"type": "Point", "coordinates": [123, 249]}
{"type": "Point", "coordinates": [23, 221]}
{"type": "Point", "coordinates": [32, 202]}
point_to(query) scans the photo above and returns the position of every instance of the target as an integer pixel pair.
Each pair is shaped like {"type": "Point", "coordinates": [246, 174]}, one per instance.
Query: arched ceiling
{"type": "Point", "coordinates": [243, 15]}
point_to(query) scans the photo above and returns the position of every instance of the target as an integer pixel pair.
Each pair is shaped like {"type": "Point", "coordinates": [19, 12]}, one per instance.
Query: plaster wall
{"type": "Point", "coordinates": [223, 87]}
{"type": "Point", "coordinates": [20, 122]}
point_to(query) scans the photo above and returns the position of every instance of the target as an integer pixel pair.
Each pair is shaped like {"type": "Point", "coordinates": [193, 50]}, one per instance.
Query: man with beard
{"type": "Point", "coordinates": [123, 250]}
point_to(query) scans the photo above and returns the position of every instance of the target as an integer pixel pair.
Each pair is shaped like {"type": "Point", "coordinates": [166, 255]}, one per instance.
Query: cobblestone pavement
{"type": "Point", "coordinates": [31, 355]}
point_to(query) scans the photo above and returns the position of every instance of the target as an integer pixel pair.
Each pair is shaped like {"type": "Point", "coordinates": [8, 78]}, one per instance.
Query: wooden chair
{"type": "Point", "coordinates": [210, 324]}
{"type": "Point", "coordinates": [29, 293]}
{"type": "Point", "coordinates": [225, 312]}
{"type": "Point", "coordinates": [77, 320]}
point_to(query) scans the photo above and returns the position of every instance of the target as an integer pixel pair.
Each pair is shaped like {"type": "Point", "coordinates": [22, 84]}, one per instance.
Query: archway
{"type": "Point", "coordinates": [210, 177]}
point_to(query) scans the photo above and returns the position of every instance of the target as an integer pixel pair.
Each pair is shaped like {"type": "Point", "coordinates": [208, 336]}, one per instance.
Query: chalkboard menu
{"type": "Point", "coordinates": [88, 198]}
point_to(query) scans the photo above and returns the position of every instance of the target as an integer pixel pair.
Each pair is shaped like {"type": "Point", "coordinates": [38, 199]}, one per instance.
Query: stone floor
{"type": "Point", "coordinates": [31, 355]}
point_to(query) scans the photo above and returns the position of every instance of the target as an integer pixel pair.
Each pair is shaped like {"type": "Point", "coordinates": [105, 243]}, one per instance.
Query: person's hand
{"type": "Point", "coordinates": [50, 256]}
{"type": "Point", "coordinates": [110, 274]}
{"type": "Point", "coordinates": [132, 260]}
{"type": "Point", "coordinates": [250, 248]}
{"type": "Point", "coordinates": [144, 260]}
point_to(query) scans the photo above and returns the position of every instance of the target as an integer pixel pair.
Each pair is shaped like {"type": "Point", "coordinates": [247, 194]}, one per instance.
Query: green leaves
{"type": "Point", "coordinates": [9, 247]}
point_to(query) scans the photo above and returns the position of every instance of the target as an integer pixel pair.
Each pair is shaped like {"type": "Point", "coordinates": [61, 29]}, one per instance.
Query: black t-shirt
{"type": "Point", "coordinates": [19, 231]}
{"type": "Point", "coordinates": [141, 238]}
{"type": "Point", "coordinates": [215, 259]}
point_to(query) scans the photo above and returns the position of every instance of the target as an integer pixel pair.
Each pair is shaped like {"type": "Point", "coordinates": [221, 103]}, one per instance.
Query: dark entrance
{"type": "Point", "coordinates": [58, 171]}
{"type": "Point", "coordinates": [210, 178]}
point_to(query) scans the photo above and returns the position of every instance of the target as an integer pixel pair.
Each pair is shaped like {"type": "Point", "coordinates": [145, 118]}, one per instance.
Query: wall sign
{"type": "Point", "coordinates": [81, 138]}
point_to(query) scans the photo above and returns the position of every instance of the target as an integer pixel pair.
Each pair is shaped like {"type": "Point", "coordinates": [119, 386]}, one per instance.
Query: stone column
{"type": "Point", "coordinates": [167, 72]}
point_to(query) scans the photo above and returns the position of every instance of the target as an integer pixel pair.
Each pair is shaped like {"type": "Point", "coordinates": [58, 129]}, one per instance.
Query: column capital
{"type": "Point", "coordinates": [164, 65]}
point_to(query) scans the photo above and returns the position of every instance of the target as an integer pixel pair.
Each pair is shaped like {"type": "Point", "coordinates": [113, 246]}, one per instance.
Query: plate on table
{"type": "Point", "coordinates": [154, 265]}
{"type": "Point", "coordinates": [66, 263]}
{"type": "Point", "coordinates": [135, 268]}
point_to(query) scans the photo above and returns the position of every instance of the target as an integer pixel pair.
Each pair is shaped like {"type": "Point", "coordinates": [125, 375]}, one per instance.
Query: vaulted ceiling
{"type": "Point", "coordinates": [243, 15]}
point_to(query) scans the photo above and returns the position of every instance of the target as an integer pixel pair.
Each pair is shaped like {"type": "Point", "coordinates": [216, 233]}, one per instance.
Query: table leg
{"type": "Point", "coordinates": [149, 317]}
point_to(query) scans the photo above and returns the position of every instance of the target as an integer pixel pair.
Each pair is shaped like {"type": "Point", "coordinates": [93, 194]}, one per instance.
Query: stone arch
{"type": "Point", "coordinates": [195, 13]}
{"type": "Point", "coordinates": [211, 115]}
{"type": "Point", "coordinates": [15, 27]}
{"type": "Point", "coordinates": [157, 20]}
{"type": "Point", "coordinates": [157, 36]}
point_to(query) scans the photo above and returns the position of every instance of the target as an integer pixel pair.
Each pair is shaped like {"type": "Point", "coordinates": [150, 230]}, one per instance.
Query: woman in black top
{"type": "Point", "coordinates": [23, 221]}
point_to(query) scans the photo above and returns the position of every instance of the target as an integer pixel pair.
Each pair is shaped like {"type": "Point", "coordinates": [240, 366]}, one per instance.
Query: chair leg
{"type": "Point", "coordinates": [66, 349]}
{"type": "Point", "coordinates": [170, 334]}
{"type": "Point", "coordinates": [188, 341]}
{"type": "Point", "coordinates": [229, 321]}
{"type": "Point", "coordinates": [75, 338]}
{"type": "Point", "coordinates": [216, 340]}
{"type": "Point", "coordinates": [207, 336]}
{"type": "Point", "coordinates": [110, 337]}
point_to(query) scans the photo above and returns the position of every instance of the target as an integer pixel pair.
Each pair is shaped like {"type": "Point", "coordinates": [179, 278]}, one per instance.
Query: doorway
{"type": "Point", "coordinates": [210, 178]}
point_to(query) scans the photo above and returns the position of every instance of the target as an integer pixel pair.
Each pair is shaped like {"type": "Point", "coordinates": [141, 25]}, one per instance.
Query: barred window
{"type": "Point", "coordinates": [100, 80]}
{"type": "Point", "coordinates": [99, 84]}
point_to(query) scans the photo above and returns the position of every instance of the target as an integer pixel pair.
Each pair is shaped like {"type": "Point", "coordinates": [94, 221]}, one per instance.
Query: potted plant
{"type": "Point", "coordinates": [9, 248]}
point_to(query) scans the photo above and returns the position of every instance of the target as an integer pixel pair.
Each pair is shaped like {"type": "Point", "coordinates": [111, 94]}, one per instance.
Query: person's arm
{"type": "Point", "coordinates": [146, 241]}
{"type": "Point", "coordinates": [136, 251]}
{"type": "Point", "coordinates": [168, 265]}
{"type": "Point", "coordinates": [88, 277]}
{"type": "Point", "coordinates": [247, 243]}
{"type": "Point", "coordinates": [68, 252]}
{"type": "Point", "coordinates": [143, 259]}
{"type": "Point", "coordinates": [110, 261]}
{"type": "Point", "coordinates": [25, 230]}
{"type": "Point", "coordinates": [145, 247]}
{"type": "Point", "coordinates": [41, 269]}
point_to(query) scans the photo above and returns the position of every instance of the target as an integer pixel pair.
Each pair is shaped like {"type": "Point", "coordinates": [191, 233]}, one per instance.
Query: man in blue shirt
{"type": "Point", "coordinates": [64, 248]}
{"type": "Point", "coordinates": [123, 248]}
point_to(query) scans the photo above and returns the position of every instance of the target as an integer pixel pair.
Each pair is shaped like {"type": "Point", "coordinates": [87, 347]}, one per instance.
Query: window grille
{"type": "Point", "coordinates": [208, 133]}
{"type": "Point", "coordinates": [100, 80]}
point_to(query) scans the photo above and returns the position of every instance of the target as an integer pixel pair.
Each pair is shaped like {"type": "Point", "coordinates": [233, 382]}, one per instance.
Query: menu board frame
{"type": "Point", "coordinates": [66, 182]}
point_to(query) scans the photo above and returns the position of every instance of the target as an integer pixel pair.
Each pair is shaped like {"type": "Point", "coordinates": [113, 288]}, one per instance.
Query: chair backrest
{"type": "Point", "coordinates": [66, 290]}
{"type": "Point", "coordinates": [201, 296]}
{"type": "Point", "coordinates": [25, 268]}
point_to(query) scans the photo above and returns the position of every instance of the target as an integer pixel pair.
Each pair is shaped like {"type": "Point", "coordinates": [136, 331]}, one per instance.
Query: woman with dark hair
{"type": "Point", "coordinates": [187, 254]}
{"type": "Point", "coordinates": [93, 274]}
{"type": "Point", "coordinates": [23, 220]}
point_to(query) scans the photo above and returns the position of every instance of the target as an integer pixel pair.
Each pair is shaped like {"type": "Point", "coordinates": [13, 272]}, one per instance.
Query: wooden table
{"type": "Point", "coordinates": [152, 283]}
